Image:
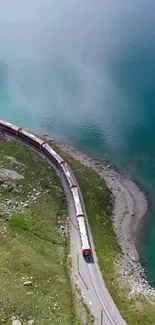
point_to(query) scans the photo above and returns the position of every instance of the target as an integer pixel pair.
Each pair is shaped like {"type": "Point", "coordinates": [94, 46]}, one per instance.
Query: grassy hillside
{"type": "Point", "coordinates": [34, 244]}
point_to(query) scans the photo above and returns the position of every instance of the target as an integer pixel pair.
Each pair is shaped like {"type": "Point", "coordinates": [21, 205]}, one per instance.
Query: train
{"type": "Point", "coordinates": [59, 162]}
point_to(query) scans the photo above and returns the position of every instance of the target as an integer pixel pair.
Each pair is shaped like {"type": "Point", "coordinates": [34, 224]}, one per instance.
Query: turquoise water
{"type": "Point", "coordinates": [86, 72]}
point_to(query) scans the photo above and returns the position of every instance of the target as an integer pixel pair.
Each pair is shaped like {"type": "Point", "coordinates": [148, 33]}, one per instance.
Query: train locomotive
{"type": "Point", "coordinates": [25, 136]}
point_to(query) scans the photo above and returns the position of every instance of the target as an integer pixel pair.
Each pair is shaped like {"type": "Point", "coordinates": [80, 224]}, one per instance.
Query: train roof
{"type": "Point", "coordinates": [66, 169]}
{"type": "Point", "coordinates": [82, 226]}
{"type": "Point", "coordinates": [10, 125]}
{"type": "Point", "coordinates": [76, 195]}
{"type": "Point", "coordinates": [75, 191]}
{"type": "Point", "coordinates": [77, 200]}
{"type": "Point", "coordinates": [68, 174]}
{"type": "Point", "coordinates": [83, 232]}
{"type": "Point", "coordinates": [32, 136]}
{"type": "Point", "coordinates": [52, 152]}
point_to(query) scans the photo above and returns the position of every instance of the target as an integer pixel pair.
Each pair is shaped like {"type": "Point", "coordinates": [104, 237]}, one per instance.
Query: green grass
{"type": "Point", "coordinates": [32, 248]}
{"type": "Point", "coordinates": [17, 222]}
{"type": "Point", "coordinates": [99, 209]}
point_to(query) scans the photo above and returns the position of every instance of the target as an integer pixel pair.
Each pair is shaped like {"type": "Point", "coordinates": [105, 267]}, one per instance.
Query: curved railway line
{"type": "Point", "coordinates": [85, 263]}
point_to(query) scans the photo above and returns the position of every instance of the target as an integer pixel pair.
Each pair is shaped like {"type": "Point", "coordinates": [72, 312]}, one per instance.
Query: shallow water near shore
{"type": "Point", "coordinates": [86, 74]}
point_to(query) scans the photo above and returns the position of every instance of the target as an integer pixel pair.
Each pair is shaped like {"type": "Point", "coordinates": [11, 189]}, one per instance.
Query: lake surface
{"type": "Point", "coordinates": [85, 70]}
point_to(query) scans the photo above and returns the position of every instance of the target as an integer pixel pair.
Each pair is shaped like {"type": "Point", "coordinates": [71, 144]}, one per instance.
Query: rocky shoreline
{"type": "Point", "coordinates": [129, 214]}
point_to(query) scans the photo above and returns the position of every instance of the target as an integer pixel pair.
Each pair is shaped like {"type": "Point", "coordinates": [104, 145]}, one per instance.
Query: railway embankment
{"type": "Point", "coordinates": [115, 207]}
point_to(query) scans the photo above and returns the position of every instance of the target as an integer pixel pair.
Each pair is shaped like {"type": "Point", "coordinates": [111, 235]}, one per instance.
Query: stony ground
{"type": "Point", "coordinates": [35, 286]}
